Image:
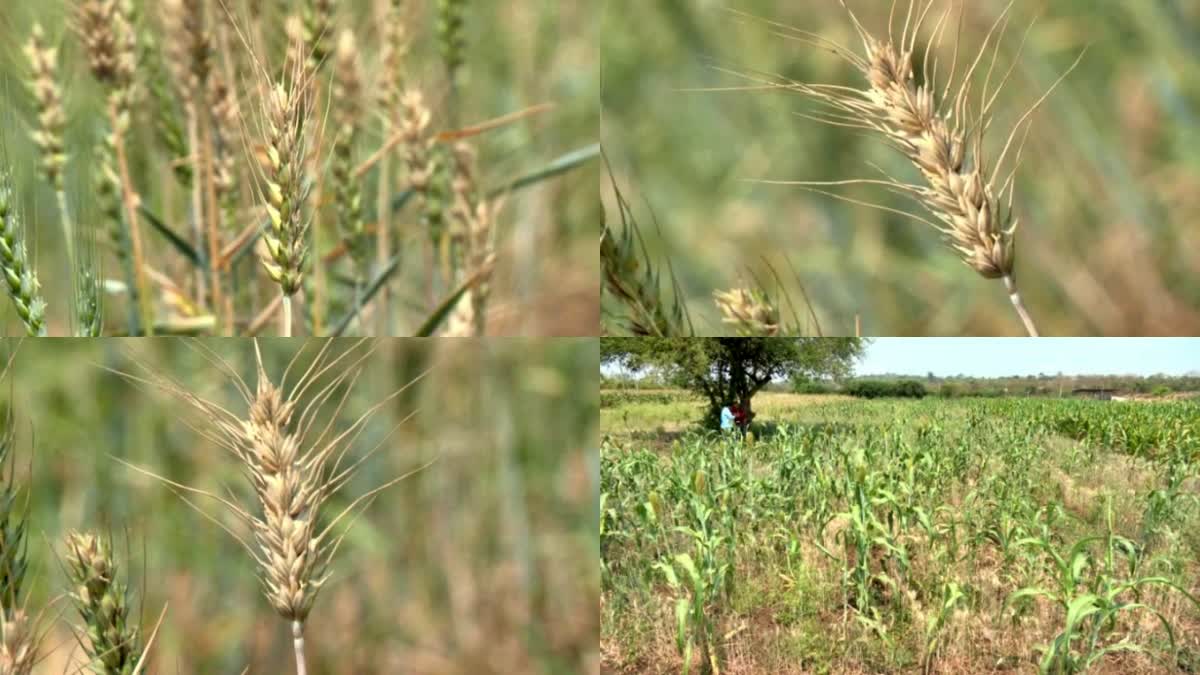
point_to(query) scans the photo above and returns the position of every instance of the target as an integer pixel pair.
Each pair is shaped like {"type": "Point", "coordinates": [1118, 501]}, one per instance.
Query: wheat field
{"type": "Point", "coordinates": [307, 167]}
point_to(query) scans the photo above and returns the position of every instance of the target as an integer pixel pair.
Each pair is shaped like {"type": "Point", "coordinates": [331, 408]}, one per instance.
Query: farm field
{"type": "Point", "coordinates": [963, 536]}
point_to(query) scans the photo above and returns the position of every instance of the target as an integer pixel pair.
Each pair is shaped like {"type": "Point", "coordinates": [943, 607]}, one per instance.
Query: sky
{"type": "Point", "coordinates": [993, 357]}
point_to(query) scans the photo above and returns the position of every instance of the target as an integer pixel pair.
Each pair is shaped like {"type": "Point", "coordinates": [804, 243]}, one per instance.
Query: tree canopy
{"type": "Point", "coordinates": [732, 370]}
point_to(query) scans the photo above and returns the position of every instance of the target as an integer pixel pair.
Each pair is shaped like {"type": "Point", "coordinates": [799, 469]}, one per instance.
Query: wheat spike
{"type": "Point", "coordinates": [940, 130]}
{"type": "Point", "coordinates": [347, 96]}
{"type": "Point", "coordinates": [472, 233]}
{"type": "Point", "coordinates": [294, 464]}
{"type": "Point", "coordinates": [190, 47]}
{"type": "Point", "coordinates": [18, 644]}
{"type": "Point", "coordinates": [52, 122]}
{"type": "Point", "coordinates": [749, 311]}
{"type": "Point", "coordinates": [317, 24]}
{"type": "Point", "coordinates": [19, 277]}
{"type": "Point", "coordinates": [52, 119]}
{"type": "Point", "coordinates": [287, 110]}
{"type": "Point", "coordinates": [392, 52]}
{"type": "Point", "coordinates": [414, 125]}
{"type": "Point", "coordinates": [102, 601]}
{"type": "Point", "coordinates": [226, 117]}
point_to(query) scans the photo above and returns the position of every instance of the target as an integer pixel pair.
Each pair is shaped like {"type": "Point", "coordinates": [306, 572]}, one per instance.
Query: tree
{"type": "Point", "coordinates": [732, 370]}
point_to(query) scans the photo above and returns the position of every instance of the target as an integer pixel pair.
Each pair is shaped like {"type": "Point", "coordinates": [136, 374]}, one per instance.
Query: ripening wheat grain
{"type": "Point", "coordinates": [940, 129]}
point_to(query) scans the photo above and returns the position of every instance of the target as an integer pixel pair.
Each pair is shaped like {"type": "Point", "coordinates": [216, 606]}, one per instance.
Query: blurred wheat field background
{"type": "Point", "coordinates": [516, 82]}
{"type": "Point", "coordinates": [484, 562]}
{"type": "Point", "coordinates": [1106, 193]}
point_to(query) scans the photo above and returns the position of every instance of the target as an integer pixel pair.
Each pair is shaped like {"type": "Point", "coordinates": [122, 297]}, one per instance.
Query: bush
{"type": "Point", "coordinates": [882, 389]}
{"type": "Point", "coordinates": [812, 387]}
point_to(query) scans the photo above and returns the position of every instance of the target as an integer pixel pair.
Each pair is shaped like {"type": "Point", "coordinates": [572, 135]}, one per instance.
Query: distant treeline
{"type": "Point", "coordinates": [885, 389]}
{"type": "Point", "coordinates": [611, 397]}
{"type": "Point", "coordinates": [956, 386]}
{"type": "Point", "coordinates": [882, 386]}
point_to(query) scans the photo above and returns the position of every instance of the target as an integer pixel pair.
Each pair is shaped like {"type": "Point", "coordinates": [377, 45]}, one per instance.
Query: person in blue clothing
{"type": "Point", "coordinates": [726, 419]}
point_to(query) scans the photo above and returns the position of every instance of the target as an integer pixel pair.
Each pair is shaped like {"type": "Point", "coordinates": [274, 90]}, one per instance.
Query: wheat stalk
{"type": "Point", "coordinates": [393, 50]}
{"type": "Point", "coordinates": [106, 29]}
{"type": "Point", "coordinates": [294, 463]}
{"type": "Point", "coordinates": [191, 58]}
{"type": "Point", "coordinates": [940, 129]}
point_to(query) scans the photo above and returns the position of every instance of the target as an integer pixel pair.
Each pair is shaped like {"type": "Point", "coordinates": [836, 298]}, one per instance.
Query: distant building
{"type": "Point", "coordinates": [1098, 394]}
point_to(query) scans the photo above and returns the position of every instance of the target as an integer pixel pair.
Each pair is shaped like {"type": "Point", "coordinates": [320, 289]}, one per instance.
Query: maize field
{"type": "Point", "coordinates": [1010, 535]}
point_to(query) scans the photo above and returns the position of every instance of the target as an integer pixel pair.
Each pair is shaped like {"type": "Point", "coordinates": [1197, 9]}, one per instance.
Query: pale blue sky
{"type": "Point", "coordinates": [989, 357]}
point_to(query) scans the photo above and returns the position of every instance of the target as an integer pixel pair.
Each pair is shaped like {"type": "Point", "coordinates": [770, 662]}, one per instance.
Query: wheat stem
{"type": "Point", "coordinates": [65, 217]}
{"type": "Point", "coordinates": [130, 200]}
{"type": "Point", "coordinates": [1011, 284]}
{"type": "Point", "coordinates": [285, 328]}
{"type": "Point", "coordinates": [298, 643]}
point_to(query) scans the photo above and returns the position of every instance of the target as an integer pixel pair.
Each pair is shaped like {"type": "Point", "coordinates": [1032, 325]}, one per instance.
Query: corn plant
{"type": "Point", "coordinates": [702, 591]}
{"type": "Point", "coordinates": [1092, 595]}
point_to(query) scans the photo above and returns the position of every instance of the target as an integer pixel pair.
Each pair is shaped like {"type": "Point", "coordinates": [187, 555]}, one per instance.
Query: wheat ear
{"type": "Point", "coordinates": [751, 312]}
{"type": "Point", "coordinates": [628, 274]}
{"type": "Point", "coordinates": [287, 109]}
{"type": "Point", "coordinates": [347, 193]}
{"type": "Point", "coordinates": [102, 601]}
{"type": "Point", "coordinates": [18, 632]}
{"type": "Point", "coordinates": [294, 464]}
{"type": "Point", "coordinates": [52, 122]}
{"type": "Point", "coordinates": [19, 277]}
{"type": "Point", "coordinates": [940, 130]}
